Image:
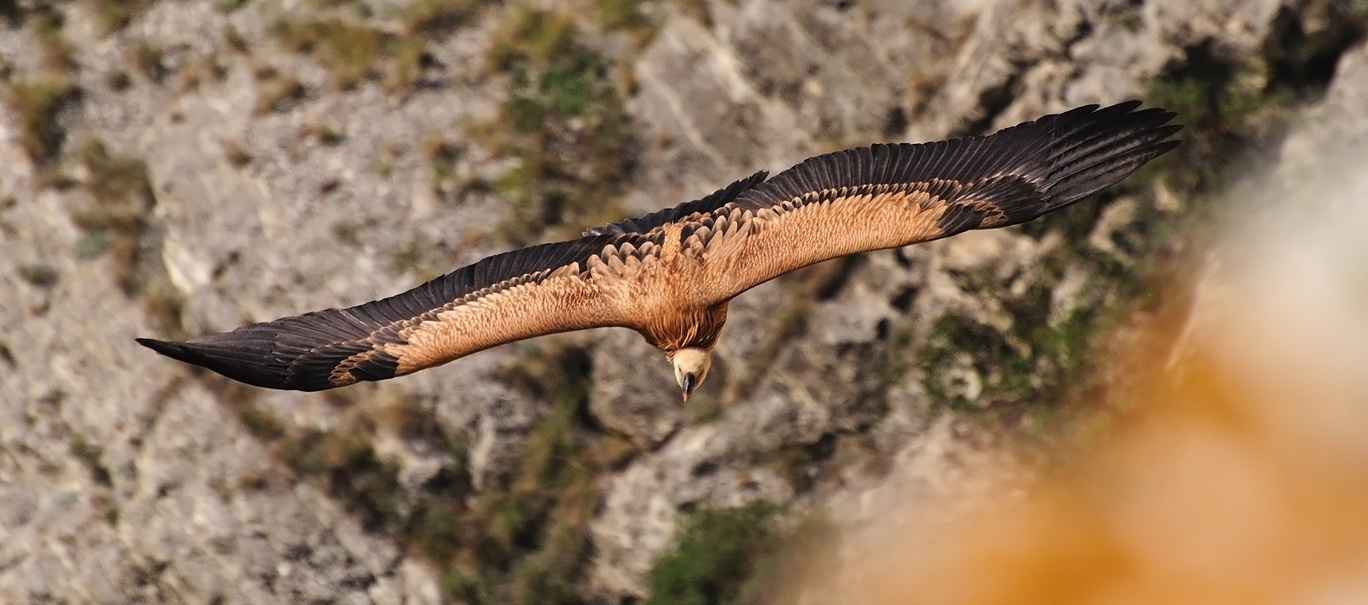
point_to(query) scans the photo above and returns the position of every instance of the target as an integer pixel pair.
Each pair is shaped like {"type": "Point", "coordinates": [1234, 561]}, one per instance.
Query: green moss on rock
{"type": "Point", "coordinates": [739, 556]}
{"type": "Point", "coordinates": [563, 120]}
{"type": "Point", "coordinates": [715, 557]}
{"type": "Point", "coordinates": [35, 102]}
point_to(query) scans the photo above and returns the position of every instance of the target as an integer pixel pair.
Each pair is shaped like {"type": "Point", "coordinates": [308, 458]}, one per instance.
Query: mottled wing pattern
{"type": "Point", "coordinates": [887, 196]}
{"type": "Point", "coordinates": [537, 290]}
{"type": "Point", "coordinates": [686, 211]}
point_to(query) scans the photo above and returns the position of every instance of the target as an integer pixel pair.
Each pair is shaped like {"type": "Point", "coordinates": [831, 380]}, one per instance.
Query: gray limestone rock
{"type": "Point", "coordinates": [125, 477]}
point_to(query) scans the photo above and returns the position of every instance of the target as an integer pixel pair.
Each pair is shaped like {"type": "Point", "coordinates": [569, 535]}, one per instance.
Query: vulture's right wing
{"type": "Point", "coordinates": [529, 292]}
{"type": "Point", "coordinates": [887, 196]}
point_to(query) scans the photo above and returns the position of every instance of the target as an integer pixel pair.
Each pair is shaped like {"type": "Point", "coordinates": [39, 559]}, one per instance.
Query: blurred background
{"type": "Point", "coordinates": [1152, 396]}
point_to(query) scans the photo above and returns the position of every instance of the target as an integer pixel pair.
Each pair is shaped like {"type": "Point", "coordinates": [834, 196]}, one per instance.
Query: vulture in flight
{"type": "Point", "coordinates": [669, 275]}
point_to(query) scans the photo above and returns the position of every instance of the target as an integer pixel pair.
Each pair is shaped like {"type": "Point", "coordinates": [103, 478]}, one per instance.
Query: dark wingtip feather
{"type": "Point", "coordinates": [244, 362]}
{"type": "Point", "coordinates": [1106, 146]}
{"type": "Point", "coordinates": [174, 350]}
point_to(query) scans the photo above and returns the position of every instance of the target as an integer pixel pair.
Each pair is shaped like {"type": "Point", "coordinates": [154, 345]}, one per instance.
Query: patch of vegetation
{"type": "Point", "coordinates": [43, 276]}
{"type": "Point", "coordinates": [120, 201]}
{"type": "Point", "coordinates": [241, 400]}
{"type": "Point", "coordinates": [346, 231]}
{"type": "Point", "coordinates": [430, 18]}
{"type": "Point", "coordinates": [523, 539]}
{"type": "Point", "coordinates": [236, 153]}
{"type": "Point", "coordinates": [198, 69]}
{"type": "Point", "coordinates": [91, 245]}
{"type": "Point", "coordinates": [148, 58]}
{"type": "Point", "coordinates": [1033, 365]}
{"type": "Point", "coordinates": [625, 16]}
{"type": "Point", "coordinates": [343, 460]}
{"type": "Point", "coordinates": [789, 322]}
{"type": "Point", "coordinates": [803, 465]}
{"type": "Point", "coordinates": [164, 306]}
{"type": "Point", "coordinates": [441, 155]}
{"type": "Point", "coordinates": [355, 52]}
{"type": "Point", "coordinates": [384, 161]}
{"type": "Point", "coordinates": [1235, 110]}
{"type": "Point", "coordinates": [1235, 115]}
{"type": "Point", "coordinates": [118, 81]}
{"type": "Point", "coordinates": [114, 15]}
{"type": "Point", "coordinates": [277, 92]}
{"type": "Point", "coordinates": [233, 39]}
{"type": "Point", "coordinates": [326, 134]}
{"type": "Point", "coordinates": [698, 10]}
{"type": "Point", "coordinates": [734, 556]}
{"type": "Point", "coordinates": [90, 458]}
{"type": "Point", "coordinates": [347, 463]}
{"type": "Point", "coordinates": [228, 6]}
{"type": "Point", "coordinates": [409, 57]}
{"type": "Point", "coordinates": [563, 120]}
{"type": "Point", "coordinates": [349, 50]}
{"type": "Point", "coordinates": [35, 103]}
{"type": "Point", "coordinates": [536, 541]}
{"type": "Point", "coordinates": [994, 371]}
{"type": "Point", "coordinates": [702, 409]}
{"type": "Point", "coordinates": [418, 253]}
{"type": "Point", "coordinates": [111, 514]}
{"type": "Point", "coordinates": [809, 285]}
{"type": "Point", "coordinates": [114, 212]}
{"type": "Point", "coordinates": [1127, 17]}
{"type": "Point", "coordinates": [58, 54]}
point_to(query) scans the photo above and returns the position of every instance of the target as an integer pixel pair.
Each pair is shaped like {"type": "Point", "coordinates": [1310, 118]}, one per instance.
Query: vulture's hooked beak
{"type": "Point", "coordinates": [688, 385]}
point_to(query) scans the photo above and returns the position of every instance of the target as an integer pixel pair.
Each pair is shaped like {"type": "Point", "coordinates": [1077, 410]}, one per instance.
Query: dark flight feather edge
{"type": "Point", "coordinates": [300, 352]}
{"type": "Point", "coordinates": [1026, 170]}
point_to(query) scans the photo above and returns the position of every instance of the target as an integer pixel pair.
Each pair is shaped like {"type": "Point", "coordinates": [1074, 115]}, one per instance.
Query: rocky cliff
{"type": "Point", "coordinates": [174, 168]}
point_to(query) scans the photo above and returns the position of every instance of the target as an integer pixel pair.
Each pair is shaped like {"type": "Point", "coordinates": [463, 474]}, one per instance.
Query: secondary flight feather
{"type": "Point", "coordinates": [669, 275]}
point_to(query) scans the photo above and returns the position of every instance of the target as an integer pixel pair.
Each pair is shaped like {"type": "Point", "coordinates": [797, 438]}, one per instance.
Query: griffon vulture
{"type": "Point", "coordinates": [669, 275]}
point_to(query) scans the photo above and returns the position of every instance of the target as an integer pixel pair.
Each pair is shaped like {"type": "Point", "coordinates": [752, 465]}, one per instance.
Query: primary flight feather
{"type": "Point", "coordinates": [669, 275]}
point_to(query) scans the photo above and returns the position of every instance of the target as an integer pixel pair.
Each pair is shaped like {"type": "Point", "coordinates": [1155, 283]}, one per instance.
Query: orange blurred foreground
{"type": "Point", "coordinates": [1243, 478]}
{"type": "Point", "coordinates": [1211, 499]}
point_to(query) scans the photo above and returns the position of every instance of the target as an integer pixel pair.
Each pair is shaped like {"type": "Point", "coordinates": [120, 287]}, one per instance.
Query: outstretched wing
{"type": "Point", "coordinates": [545, 289]}
{"type": "Point", "coordinates": [537, 290]}
{"type": "Point", "coordinates": [887, 196]}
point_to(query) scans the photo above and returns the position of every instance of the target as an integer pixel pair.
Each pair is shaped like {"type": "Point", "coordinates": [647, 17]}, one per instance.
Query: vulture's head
{"type": "Point", "coordinates": [691, 367]}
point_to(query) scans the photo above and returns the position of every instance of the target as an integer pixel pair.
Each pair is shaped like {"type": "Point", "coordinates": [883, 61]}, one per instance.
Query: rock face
{"type": "Point", "coordinates": [275, 191]}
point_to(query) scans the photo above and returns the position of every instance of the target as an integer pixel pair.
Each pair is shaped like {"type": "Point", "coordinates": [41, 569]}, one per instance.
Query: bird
{"type": "Point", "coordinates": [670, 275]}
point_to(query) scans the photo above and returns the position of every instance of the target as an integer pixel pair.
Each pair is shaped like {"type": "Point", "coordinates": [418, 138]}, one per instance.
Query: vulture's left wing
{"type": "Point", "coordinates": [529, 292]}
{"type": "Point", "coordinates": [887, 196]}
{"type": "Point", "coordinates": [545, 289]}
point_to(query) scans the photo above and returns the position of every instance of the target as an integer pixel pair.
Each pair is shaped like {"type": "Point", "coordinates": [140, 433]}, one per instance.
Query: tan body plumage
{"type": "Point", "coordinates": [670, 275]}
